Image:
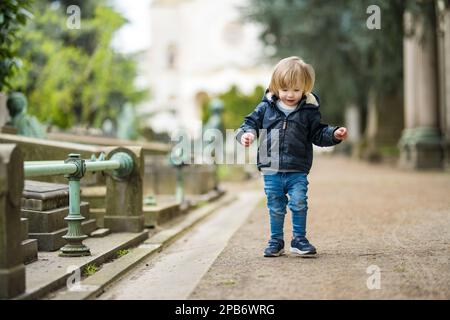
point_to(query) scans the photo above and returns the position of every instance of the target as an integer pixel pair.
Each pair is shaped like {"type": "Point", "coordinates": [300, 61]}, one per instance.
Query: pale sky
{"type": "Point", "coordinates": [135, 35]}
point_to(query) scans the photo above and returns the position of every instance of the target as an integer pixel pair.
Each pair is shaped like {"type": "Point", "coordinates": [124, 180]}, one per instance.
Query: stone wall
{"type": "Point", "coordinates": [160, 177]}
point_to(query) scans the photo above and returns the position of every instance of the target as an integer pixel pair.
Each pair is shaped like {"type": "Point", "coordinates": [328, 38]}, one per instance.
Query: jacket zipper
{"type": "Point", "coordinates": [282, 144]}
{"type": "Point", "coordinates": [284, 131]}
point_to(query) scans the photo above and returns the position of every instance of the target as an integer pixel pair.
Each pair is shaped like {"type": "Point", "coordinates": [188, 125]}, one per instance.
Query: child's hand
{"type": "Point", "coordinates": [341, 133]}
{"type": "Point", "coordinates": [247, 139]}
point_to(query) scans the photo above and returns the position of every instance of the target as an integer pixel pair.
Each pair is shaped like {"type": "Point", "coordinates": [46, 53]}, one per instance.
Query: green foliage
{"type": "Point", "coordinates": [122, 252]}
{"type": "Point", "coordinates": [89, 270]}
{"type": "Point", "coordinates": [13, 15]}
{"type": "Point", "coordinates": [73, 76]}
{"type": "Point", "coordinates": [236, 106]}
{"type": "Point", "coordinates": [348, 57]}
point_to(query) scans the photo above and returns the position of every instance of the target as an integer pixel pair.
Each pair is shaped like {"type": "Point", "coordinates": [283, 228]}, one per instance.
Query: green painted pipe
{"type": "Point", "coordinates": [102, 165]}
{"type": "Point", "coordinates": [75, 235]}
{"type": "Point", "coordinates": [34, 163]}
{"type": "Point", "coordinates": [121, 163]}
{"type": "Point", "coordinates": [37, 170]}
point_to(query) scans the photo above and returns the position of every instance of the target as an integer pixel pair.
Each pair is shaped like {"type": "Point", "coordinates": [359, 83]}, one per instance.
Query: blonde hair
{"type": "Point", "coordinates": [292, 72]}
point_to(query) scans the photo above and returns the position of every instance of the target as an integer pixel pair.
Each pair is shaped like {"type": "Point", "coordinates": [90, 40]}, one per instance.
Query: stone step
{"type": "Point", "coordinates": [41, 196]}
{"type": "Point", "coordinates": [164, 211]}
{"type": "Point", "coordinates": [29, 250]}
{"type": "Point", "coordinates": [50, 220]}
{"type": "Point", "coordinates": [51, 241]}
{"type": "Point", "coordinates": [23, 229]}
{"type": "Point", "coordinates": [100, 233]}
{"type": "Point", "coordinates": [50, 272]}
{"type": "Point", "coordinates": [161, 213]}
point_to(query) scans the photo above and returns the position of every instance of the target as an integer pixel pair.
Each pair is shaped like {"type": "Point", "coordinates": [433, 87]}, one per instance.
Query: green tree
{"type": "Point", "coordinates": [349, 59]}
{"type": "Point", "coordinates": [236, 106]}
{"type": "Point", "coordinates": [13, 15]}
{"type": "Point", "coordinates": [74, 76]}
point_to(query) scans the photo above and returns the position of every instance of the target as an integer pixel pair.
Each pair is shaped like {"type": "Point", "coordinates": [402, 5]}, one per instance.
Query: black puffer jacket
{"type": "Point", "coordinates": [296, 133]}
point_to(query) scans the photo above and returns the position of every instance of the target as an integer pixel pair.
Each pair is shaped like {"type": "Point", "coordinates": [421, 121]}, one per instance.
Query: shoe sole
{"type": "Point", "coordinates": [302, 253]}
{"type": "Point", "coordinates": [281, 252]}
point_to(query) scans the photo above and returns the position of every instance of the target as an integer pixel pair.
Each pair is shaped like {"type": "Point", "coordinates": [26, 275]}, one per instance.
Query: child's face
{"type": "Point", "coordinates": [290, 96]}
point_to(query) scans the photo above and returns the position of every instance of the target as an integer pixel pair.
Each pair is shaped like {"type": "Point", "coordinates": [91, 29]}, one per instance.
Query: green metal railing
{"type": "Point", "coordinates": [74, 168]}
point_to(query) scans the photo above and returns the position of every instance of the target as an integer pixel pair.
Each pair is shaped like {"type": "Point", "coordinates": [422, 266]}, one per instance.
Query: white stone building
{"type": "Point", "coordinates": [198, 47]}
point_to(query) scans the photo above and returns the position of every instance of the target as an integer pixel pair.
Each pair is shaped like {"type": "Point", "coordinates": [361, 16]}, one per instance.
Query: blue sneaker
{"type": "Point", "coordinates": [301, 246]}
{"type": "Point", "coordinates": [275, 248]}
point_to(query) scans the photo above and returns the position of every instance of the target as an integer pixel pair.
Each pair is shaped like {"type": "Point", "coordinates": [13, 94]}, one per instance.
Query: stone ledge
{"type": "Point", "coordinates": [50, 273]}
{"type": "Point", "coordinates": [95, 285]}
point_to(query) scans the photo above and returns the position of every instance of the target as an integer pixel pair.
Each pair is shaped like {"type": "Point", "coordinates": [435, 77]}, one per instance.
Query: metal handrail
{"type": "Point", "coordinates": [74, 168]}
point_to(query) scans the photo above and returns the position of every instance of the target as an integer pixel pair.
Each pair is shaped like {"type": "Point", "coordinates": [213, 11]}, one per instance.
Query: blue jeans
{"type": "Point", "coordinates": [276, 186]}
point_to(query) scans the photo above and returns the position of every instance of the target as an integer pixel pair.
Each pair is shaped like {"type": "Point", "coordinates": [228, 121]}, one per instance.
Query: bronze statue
{"type": "Point", "coordinates": [25, 124]}
{"type": "Point", "coordinates": [215, 118]}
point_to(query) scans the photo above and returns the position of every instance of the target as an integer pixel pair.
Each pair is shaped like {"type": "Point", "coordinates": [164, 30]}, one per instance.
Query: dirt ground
{"type": "Point", "coordinates": [374, 227]}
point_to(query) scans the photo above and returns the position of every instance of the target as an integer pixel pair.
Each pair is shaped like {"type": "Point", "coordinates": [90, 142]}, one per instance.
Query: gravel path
{"type": "Point", "coordinates": [362, 218]}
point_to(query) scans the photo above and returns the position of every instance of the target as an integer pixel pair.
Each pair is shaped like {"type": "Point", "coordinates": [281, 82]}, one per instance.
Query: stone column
{"type": "Point", "coordinates": [124, 196]}
{"type": "Point", "coordinates": [420, 144]}
{"type": "Point", "coordinates": [443, 41]}
{"type": "Point", "coordinates": [12, 269]}
{"type": "Point", "coordinates": [4, 115]}
{"type": "Point", "coordinates": [353, 123]}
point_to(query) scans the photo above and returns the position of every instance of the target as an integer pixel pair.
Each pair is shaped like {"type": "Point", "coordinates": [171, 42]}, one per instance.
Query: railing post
{"type": "Point", "coordinates": [12, 270]}
{"type": "Point", "coordinates": [124, 191]}
{"type": "Point", "coordinates": [75, 236]}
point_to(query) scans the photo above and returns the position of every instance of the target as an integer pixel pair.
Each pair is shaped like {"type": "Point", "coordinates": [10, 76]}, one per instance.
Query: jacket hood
{"type": "Point", "coordinates": [309, 100]}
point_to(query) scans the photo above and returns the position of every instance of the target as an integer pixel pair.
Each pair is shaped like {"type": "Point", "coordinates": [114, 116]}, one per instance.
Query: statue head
{"type": "Point", "coordinates": [16, 103]}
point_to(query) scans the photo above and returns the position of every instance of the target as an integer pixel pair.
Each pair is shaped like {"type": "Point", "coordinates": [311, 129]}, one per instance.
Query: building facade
{"type": "Point", "coordinates": [199, 48]}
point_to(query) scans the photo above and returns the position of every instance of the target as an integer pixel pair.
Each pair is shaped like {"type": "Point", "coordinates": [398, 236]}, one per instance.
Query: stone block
{"type": "Point", "coordinates": [124, 196]}
{"type": "Point", "coordinates": [9, 129]}
{"type": "Point", "coordinates": [41, 196]}
{"type": "Point", "coordinates": [29, 246]}
{"type": "Point", "coordinates": [125, 223]}
{"type": "Point", "coordinates": [12, 281]}
{"type": "Point", "coordinates": [160, 177]}
{"type": "Point", "coordinates": [155, 215]}
{"type": "Point", "coordinates": [29, 250]}
{"type": "Point", "coordinates": [50, 220]}
{"type": "Point", "coordinates": [23, 229]}
{"type": "Point", "coordinates": [12, 270]}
